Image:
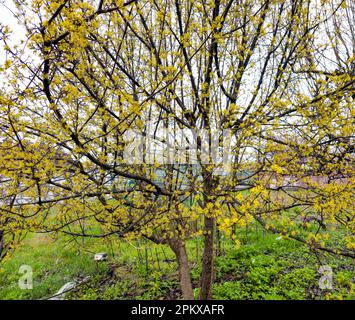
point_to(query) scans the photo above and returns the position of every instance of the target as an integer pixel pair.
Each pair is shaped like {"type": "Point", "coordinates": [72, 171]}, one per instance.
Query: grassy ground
{"type": "Point", "coordinates": [264, 267]}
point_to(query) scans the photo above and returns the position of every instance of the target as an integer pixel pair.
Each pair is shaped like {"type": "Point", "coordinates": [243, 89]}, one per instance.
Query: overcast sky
{"type": "Point", "coordinates": [7, 18]}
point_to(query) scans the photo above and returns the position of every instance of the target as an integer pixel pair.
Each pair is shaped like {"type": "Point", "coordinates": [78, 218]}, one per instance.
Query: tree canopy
{"type": "Point", "coordinates": [266, 87]}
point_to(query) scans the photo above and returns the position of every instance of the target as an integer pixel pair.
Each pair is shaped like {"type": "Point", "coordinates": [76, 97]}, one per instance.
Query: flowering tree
{"type": "Point", "coordinates": [168, 119]}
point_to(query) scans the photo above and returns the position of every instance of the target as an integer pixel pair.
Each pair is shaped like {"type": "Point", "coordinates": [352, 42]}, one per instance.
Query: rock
{"type": "Point", "coordinates": [61, 292]}
{"type": "Point", "coordinates": [102, 256]}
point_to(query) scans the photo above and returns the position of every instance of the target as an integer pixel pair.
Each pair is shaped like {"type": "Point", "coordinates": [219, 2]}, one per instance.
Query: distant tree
{"type": "Point", "coordinates": [278, 76]}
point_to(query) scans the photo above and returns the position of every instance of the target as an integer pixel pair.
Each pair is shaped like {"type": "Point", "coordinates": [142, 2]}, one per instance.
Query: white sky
{"type": "Point", "coordinates": [7, 8]}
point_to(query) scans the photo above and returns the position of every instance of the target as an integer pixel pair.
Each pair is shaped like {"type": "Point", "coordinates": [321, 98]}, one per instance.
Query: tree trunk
{"type": "Point", "coordinates": [179, 249]}
{"type": "Point", "coordinates": [1, 243]}
{"type": "Point", "coordinates": [207, 262]}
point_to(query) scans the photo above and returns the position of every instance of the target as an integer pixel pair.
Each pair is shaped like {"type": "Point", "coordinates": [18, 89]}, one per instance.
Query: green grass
{"type": "Point", "coordinates": [264, 267]}
{"type": "Point", "coordinates": [278, 269]}
{"type": "Point", "coordinates": [53, 264]}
